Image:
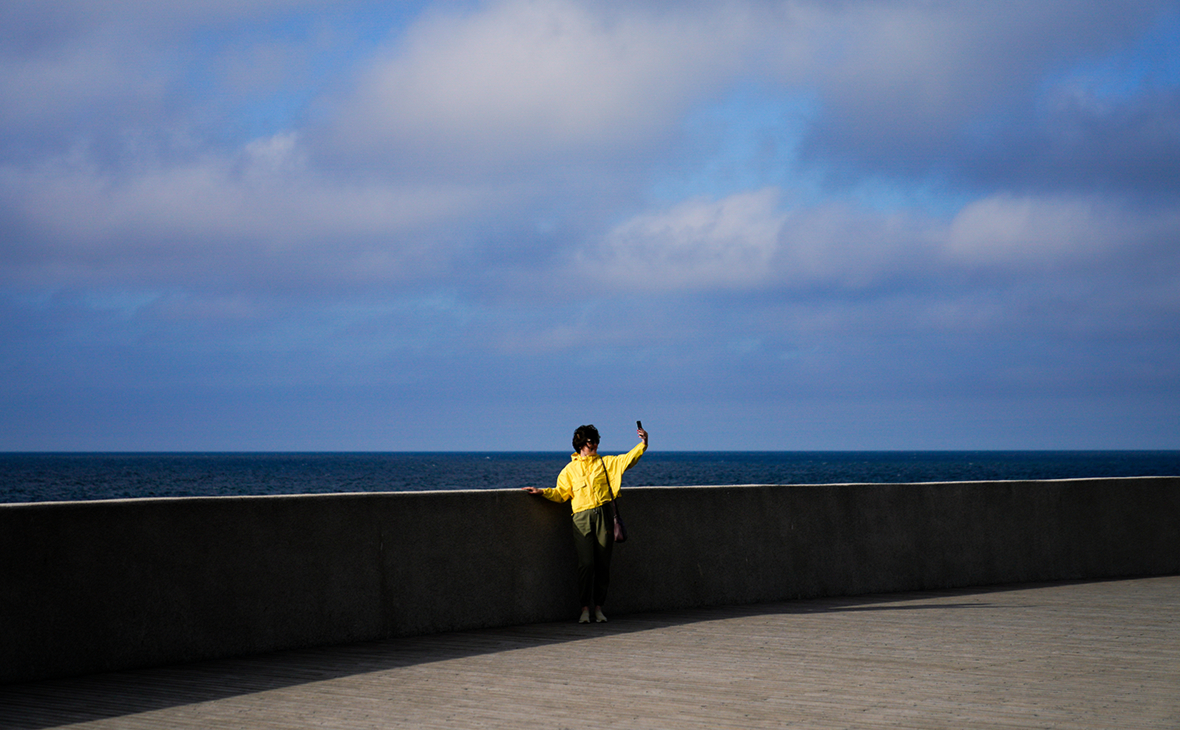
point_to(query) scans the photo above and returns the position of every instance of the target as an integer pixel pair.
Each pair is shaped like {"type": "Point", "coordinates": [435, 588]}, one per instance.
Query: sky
{"type": "Point", "coordinates": [291, 225]}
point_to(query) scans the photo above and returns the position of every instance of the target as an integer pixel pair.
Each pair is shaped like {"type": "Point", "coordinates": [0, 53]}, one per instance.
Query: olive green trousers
{"type": "Point", "coordinates": [594, 539]}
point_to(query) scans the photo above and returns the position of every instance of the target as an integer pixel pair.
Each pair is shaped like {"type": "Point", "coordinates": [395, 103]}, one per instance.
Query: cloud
{"type": "Point", "coordinates": [1084, 142]}
{"type": "Point", "coordinates": [697, 244]}
{"type": "Point", "coordinates": [1074, 246]}
{"type": "Point", "coordinates": [751, 242]}
{"type": "Point", "coordinates": [478, 122]}
{"type": "Point", "coordinates": [118, 77]}
{"type": "Point", "coordinates": [53, 100]}
{"type": "Point", "coordinates": [259, 216]}
{"type": "Point", "coordinates": [534, 78]}
{"type": "Point", "coordinates": [1004, 229]}
{"type": "Point", "coordinates": [749, 200]}
{"type": "Point", "coordinates": [913, 89]}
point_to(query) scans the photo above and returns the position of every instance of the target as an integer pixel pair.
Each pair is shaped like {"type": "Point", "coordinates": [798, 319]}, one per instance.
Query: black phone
{"type": "Point", "coordinates": [639, 425]}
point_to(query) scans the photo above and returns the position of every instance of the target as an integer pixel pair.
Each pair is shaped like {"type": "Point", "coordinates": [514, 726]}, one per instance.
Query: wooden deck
{"type": "Point", "coordinates": [1083, 655]}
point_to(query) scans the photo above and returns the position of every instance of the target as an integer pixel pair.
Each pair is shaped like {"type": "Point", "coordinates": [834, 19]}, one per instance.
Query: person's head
{"type": "Point", "coordinates": [585, 435]}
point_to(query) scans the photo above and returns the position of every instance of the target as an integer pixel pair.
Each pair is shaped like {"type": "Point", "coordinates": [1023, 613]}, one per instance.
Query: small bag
{"type": "Point", "coordinates": [620, 528]}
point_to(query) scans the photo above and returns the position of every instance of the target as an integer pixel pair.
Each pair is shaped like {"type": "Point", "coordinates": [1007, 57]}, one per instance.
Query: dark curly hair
{"type": "Point", "coordinates": [585, 435]}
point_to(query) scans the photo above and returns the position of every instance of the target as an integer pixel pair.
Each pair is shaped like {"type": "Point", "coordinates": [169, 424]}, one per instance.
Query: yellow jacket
{"type": "Point", "coordinates": [585, 479]}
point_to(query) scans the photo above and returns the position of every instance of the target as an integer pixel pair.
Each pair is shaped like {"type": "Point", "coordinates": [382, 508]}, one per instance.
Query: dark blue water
{"type": "Point", "coordinates": [56, 477]}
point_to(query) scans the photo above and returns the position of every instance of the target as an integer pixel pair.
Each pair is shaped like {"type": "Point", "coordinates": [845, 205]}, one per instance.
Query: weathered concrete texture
{"type": "Point", "coordinates": [96, 586]}
{"type": "Point", "coordinates": [730, 545]}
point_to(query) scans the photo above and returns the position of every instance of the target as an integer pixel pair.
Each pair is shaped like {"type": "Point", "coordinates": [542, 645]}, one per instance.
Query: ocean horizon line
{"type": "Point", "coordinates": [296, 452]}
{"type": "Point", "coordinates": [81, 475]}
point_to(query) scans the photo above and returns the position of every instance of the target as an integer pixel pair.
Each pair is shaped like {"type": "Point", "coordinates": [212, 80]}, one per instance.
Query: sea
{"type": "Point", "coordinates": [45, 477]}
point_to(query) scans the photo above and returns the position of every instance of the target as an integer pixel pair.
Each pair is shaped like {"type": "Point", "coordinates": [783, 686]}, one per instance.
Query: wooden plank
{"type": "Point", "coordinates": [1072, 656]}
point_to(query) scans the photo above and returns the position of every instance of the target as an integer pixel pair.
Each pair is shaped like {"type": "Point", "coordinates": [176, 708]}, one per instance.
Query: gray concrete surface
{"type": "Point", "coordinates": [99, 586]}
{"type": "Point", "coordinates": [1071, 656]}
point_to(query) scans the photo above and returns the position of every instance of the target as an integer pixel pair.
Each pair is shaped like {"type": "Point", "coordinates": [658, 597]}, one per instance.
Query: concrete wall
{"type": "Point", "coordinates": [96, 586]}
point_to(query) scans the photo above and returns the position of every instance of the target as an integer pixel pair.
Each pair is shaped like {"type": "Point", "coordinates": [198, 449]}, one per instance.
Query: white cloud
{"type": "Point", "coordinates": [528, 77]}
{"type": "Point", "coordinates": [1005, 229]}
{"type": "Point", "coordinates": [697, 244]}
{"type": "Point", "coordinates": [751, 241]}
{"type": "Point", "coordinates": [1008, 230]}
{"type": "Point", "coordinates": [585, 89]}
{"type": "Point", "coordinates": [180, 224]}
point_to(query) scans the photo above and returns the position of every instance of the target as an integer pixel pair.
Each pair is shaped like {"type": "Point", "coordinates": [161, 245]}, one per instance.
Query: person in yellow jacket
{"type": "Point", "coordinates": [589, 482]}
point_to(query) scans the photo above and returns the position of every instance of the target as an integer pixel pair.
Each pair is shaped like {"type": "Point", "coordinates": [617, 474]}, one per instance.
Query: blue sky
{"type": "Point", "coordinates": [867, 224]}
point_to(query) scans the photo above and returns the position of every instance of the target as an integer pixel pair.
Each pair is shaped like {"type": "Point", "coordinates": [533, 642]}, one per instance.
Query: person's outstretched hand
{"type": "Point", "coordinates": [642, 435]}
{"type": "Point", "coordinates": [531, 490]}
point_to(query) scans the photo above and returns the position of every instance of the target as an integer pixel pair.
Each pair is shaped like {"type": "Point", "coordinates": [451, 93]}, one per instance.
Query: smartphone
{"type": "Point", "coordinates": [639, 425]}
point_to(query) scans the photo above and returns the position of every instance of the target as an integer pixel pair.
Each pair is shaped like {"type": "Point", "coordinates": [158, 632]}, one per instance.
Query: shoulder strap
{"type": "Point", "coordinates": [607, 473]}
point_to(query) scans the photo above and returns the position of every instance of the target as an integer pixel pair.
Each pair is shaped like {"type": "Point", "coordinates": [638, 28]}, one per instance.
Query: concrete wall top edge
{"type": "Point", "coordinates": [249, 497]}
{"type": "Point", "coordinates": [903, 484]}
{"type": "Point", "coordinates": [411, 494]}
